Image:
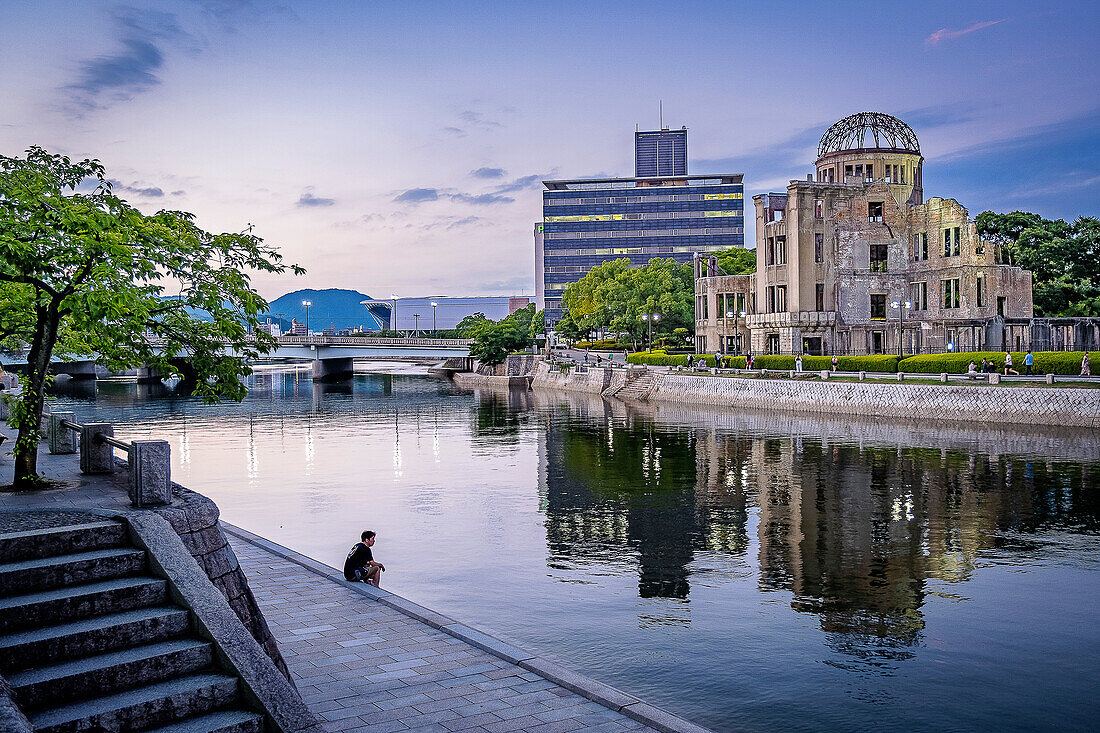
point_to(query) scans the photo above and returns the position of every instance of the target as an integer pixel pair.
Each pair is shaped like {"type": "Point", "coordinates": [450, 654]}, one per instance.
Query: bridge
{"type": "Point", "coordinates": [333, 357]}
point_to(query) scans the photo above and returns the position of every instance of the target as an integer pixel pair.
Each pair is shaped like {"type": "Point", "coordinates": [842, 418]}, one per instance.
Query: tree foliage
{"type": "Point", "coordinates": [737, 261]}
{"type": "Point", "coordinates": [82, 272]}
{"type": "Point", "coordinates": [1064, 259]}
{"type": "Point", "coordinates": [615, 296]}
{"type": "Point", "coordinates": [494, 340]}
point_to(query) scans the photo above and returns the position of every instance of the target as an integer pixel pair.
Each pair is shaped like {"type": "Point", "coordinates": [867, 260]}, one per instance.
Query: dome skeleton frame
{"type": "Point", "coordinates": [856, 132]}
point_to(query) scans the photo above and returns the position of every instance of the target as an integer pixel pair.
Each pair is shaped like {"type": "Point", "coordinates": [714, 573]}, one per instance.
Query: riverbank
{"type": "Point", "coordinates": [359, 656]}
{"type": "Point", "coordinates": [988, 404]}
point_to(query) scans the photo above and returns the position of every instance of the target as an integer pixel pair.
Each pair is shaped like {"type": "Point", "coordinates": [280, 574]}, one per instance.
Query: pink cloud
{"type": "Point", "coordinates": [944, 34]}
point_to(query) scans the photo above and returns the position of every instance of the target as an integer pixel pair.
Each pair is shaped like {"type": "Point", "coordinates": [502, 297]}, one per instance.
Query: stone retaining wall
{"type": "Point", "coordinates": [969, 403]}
{"type": "Point", "coordinates": [195, 520]}
{"type": "Point", "coordinates": [470, 380]}
{"type": "Point", "coordinates": [987, 404]}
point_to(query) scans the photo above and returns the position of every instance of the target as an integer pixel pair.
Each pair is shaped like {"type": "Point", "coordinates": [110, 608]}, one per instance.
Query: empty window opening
{"type": "Point", "coordinates": [879, 253]}
{"type": "Point", "coordinates": [819, 248]}
{"type": "Point", "coordinates": [878, 306]}
{"type": "Point", "coordinates": [819, 208]}
{"type": "Point", "coordinates": [819, 296]}
{"type": "Point", "coordinates": [918, 295]}
{"type": "Point", "coordinates": [874, 211]}
{"type": "Point", "coordinates": [980, 290]}
{"type": "Point", "coordinates": [951, 293]}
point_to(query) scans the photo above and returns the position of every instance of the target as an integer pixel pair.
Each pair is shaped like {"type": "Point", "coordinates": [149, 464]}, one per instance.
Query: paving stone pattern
{"type": "Point", "coordinates": [363, 666]}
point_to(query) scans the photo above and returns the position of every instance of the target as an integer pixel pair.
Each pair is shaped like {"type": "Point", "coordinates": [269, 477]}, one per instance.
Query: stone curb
{"type": "Point", "coordinates": [586, 687]}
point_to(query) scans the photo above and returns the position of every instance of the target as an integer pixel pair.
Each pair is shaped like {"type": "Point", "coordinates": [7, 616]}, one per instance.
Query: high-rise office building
{"type": "Point", "coordinates": [589, 221]}
{"type": "Point", "coordinates": [660, 153]}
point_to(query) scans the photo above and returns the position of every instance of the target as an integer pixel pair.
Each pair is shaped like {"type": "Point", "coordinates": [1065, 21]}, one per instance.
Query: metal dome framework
{"type": "Point", "coordinates": [859, 131]}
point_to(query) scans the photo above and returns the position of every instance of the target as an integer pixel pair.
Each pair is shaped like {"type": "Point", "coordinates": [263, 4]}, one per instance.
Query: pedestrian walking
{"type": "Point", "coordinates": [1029, 359]}
{"type": "Point", "coordinates": [1085, 366]}
{"type": "Point", "coordinates": [798, 364]}
{"type": "Point", "coordinates": [836, 362]}
{"type": "Point", "coordinates": [1008, 364]}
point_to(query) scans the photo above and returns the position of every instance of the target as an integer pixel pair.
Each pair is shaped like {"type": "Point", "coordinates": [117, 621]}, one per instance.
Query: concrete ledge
{"type": "Point", "coordinates": [262, 681]}
{"type": "Point", "coordinates": [586, 687]}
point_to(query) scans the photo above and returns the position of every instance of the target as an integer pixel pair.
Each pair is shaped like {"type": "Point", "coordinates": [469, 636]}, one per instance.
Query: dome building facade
{"type": "Point", "coordinates": [854, 260]}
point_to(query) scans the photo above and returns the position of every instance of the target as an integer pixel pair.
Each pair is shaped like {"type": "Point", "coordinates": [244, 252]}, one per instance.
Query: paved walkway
{"type": "Point", "coordinates": [364, 666]}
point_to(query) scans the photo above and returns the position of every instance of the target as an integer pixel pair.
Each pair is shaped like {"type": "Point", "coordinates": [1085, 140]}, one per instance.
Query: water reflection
{"type": "Point", "coordinates": [746, 570]}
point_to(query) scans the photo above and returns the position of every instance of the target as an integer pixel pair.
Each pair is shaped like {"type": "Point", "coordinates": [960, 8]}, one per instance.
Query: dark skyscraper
{"type": "Point", "coordinates": [660, 153]}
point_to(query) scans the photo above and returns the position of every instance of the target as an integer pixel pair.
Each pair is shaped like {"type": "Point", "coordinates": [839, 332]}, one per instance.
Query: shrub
{"type": "Point", "coordinates": [1046, 362]}
{"type": "Point", "coordinates": [871, 363]}
{"type": "Point", "coordinates": [601, 344]}
{"type": "Point", "coordinates": [657, 358]}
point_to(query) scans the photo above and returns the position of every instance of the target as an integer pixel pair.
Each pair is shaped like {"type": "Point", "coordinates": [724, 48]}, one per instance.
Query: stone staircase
{"type": "Point", "coordinates": [637, 387]}
{"type": "Point", "coordinates": [91, 641]}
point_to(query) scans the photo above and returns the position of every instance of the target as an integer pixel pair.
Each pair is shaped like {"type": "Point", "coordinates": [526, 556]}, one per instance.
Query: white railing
{"type": "Point", "coordinates": [371, 341]}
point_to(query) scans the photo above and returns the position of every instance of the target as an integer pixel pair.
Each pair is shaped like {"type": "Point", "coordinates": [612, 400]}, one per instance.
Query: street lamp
{"type": "Point", "coordinates": [902, 306]}
{"type": "Point", "coordinates": [650, 320]}
{"type": "Point", "coordinates": [394, 312]}
{"type": "Point", "coordinates": [416, 325]}
{"type": "Point", "coordinates": [434, 304]}
{"type": "Point", "coordinates": [307, 304]}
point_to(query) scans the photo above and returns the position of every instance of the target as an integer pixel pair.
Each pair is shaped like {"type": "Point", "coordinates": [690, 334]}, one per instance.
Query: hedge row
{"type": "Point", "coordinates": [1046, 362]}
{"type": "Point", "coordinates": [872, 363]}
{"type": "Point", "coordinates": [602, 344]}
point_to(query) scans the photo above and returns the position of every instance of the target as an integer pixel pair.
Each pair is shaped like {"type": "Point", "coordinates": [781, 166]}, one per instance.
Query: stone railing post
{"type": "Point", "coordinates": [994, 378]}
{"type": "Point", "coordinates": [150, 482]}
{"type": "Point", "coordinates": [1050, 379]}
{"type": "Point", "coordinates": [61, 440]}
{"type": "Point", "coordinates": [943, 377]}
{"type": "Point", "coordinates": [95, 455]}
{"type": "Point", "coordinates": [862, 376]}
{"type": "Point", "coordinates": [824, 374]}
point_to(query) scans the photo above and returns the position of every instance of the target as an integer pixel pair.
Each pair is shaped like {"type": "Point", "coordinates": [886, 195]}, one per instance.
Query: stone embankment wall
{"type": "Point", "coordinates": [968, 403]}
{"type": "Point", "coordinates": [195, 519]}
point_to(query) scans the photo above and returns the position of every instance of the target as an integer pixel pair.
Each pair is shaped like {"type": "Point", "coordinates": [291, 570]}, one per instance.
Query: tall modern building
{"type": "Point", "coordinates": [655, 214]}
{"type": "Point", "coordinates": [661, 153]}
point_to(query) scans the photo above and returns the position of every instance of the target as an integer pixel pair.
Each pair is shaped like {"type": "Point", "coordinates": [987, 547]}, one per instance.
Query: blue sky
{"type": "Point", "coordinates": [398, 147]}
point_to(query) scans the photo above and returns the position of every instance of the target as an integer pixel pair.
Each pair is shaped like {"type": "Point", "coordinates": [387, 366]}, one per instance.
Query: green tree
{"type": "Point", "coordinates": [467, 324]}
{"type": "Point", "coordinates": [494, 340]}
{"type": "Point", "coordinates": [614, 295]}
{"type": "Point", "coordinates": [737, 261]}
{"type": "Point", "coordinates": [1064, 259]}
{"type": "Point", "coordinates": [85, 273]}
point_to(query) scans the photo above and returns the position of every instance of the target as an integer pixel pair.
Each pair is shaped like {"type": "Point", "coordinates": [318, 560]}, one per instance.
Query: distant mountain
{"type": "Point", "coordinates": [330, 308]}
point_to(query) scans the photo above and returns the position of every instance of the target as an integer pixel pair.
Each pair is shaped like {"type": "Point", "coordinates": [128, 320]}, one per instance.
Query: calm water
{"type": "Point", "coordinates": [749, 572]}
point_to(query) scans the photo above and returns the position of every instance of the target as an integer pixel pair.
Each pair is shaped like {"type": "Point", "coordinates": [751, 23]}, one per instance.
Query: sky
{"type": "Point", "coordinates": [400, 147]}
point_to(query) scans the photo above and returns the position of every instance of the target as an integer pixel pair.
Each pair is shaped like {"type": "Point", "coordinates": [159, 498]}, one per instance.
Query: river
{"type": "Point", "coordinates": [745, 571]}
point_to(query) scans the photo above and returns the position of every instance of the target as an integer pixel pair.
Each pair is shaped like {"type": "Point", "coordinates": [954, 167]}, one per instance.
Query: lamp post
{"type": "Point", "coordinates": [393, 297]}
{"type": "Point", "coordinates": [434, 304]}
{"type": "Point", "coordinates": [902, 306]}
{"type": "Point", "coordinates": [416, 325]}
{"type": "Point", "coordinates": [307, 304]}
{"type": "Point", "coordinates": [650, 320]}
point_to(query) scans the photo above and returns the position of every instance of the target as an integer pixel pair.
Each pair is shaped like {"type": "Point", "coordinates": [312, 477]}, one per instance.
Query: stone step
{"type": "Point", "coordinates": [62, 605]}
{"type": "Point", "coordinates": [16, 546]}
{"type": "Point", "coordinates": [224, 721]}
{"type": "Point", "coordinates": [44, 573]}
{"type": "Point", "coordinates": [106, 674]}
{"type": "Point", "coordinates": [142, 708]}
{"type": "Point", "coordinates": [25, 649]}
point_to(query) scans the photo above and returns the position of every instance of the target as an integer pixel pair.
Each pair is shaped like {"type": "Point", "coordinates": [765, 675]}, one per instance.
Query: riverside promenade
{"type": "Point", "coordinates": [368, 660]}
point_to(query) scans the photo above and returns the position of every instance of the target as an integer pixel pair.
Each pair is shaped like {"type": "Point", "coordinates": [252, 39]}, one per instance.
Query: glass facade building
{"type": "Point", "coordinates": [661, 153]}
{"type": "Point", "coordinates": [589, 221]}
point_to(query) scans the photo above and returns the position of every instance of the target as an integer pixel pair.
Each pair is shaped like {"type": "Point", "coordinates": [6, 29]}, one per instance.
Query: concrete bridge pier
{"type": "Point", "coordinates": [333, 370]}
{"type": "Point", "coordinates": [148, 375]}
{"type": "Point", "coordinates": [75, 369]}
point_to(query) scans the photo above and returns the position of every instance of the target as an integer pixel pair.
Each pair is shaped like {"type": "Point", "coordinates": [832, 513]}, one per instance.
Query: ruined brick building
{"type": "Point", "coordinates": [854, 260]}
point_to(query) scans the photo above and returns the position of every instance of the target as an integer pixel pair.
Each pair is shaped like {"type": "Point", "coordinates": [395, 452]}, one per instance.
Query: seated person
{"type": "Point", "coordinates": [360, 564]}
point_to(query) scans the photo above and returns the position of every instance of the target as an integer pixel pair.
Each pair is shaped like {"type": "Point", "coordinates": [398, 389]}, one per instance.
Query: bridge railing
{"type": "Point", "coordinates": [149, 461]}
{"type": "Point", "coordinates": [371, 341]}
